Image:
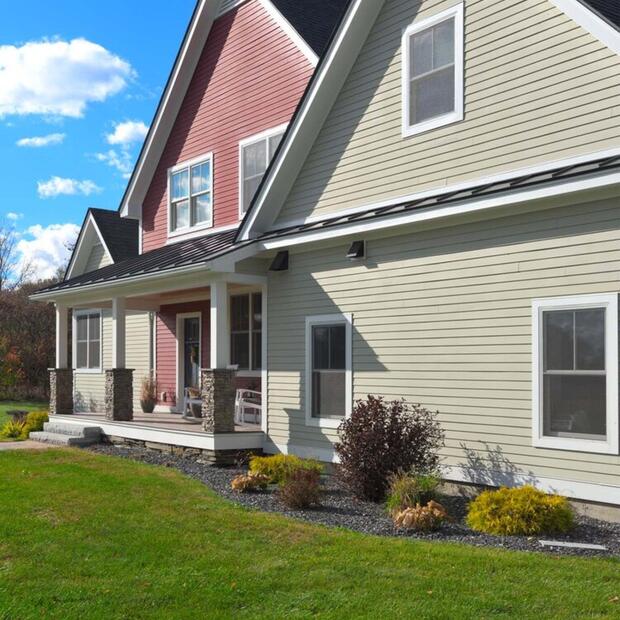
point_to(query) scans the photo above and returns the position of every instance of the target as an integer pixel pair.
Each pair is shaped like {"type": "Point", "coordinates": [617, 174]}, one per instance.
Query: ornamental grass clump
{"type": "Point", "coordinates": [520, 512]}
{"type": "Point", "coordinates": [427, 518]}
{"type": "Point", "coordinates": [301, 489]}
{"type": "Point", "coordinates": [279, 467]}
{"type": "Point", "coordinates": [249, 482]}
{"type": "Point", "coordinates": [380, 439]}
{"type": "Point", "coordinates": [409, 490]}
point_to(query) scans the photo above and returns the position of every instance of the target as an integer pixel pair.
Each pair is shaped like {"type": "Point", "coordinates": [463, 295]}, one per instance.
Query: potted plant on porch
{"type": "Point", "coordinates": [148, 394]}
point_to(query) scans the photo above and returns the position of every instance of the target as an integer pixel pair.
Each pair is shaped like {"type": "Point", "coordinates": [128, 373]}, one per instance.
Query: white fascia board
{"type": "Point", "coordinates": [171, 102]}
{"type": "Point", "coordinates": [78, 258]}
{"type": "Point", "coordinates": [326, 85]}
{"type": "Point", "coordinates": [441, 212]}
{"type": "Point", "coordinates": [590, 21]}
{"type": "Point", "coordinates": [290, 31]}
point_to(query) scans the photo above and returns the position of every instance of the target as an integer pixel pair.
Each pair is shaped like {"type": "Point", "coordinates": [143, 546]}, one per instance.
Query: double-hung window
{"type": "Point", "coordinates": [255, 155]}
{"type": "Point", "coordinates": [328, 369]}
{"type": "Point", "coordinates": [433, 72]}
{"type": "Point", "coordinates": [246, 318]}
{"type": "Point", "coordinates": [576, 373]}
{"type": "Point", "coordinates": [191, 195]}
{"type": "Point", "coordinates": [87, 340]}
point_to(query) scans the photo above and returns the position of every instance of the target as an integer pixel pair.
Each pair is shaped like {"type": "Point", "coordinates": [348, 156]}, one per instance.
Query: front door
{"type": "Point", "coordinates": [191, 352]}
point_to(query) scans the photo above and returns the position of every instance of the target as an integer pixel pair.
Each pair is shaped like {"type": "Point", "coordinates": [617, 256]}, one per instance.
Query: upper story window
{"type": "Point", "coordinates": [255, 154]}
{"type": "Point", "coordinates": [576, 373]}
{"type": "Point", "coordinates": [433, 72]}
{"type": "Point", "coordinates": [87, 340]}
{"type": "Point", "coordinates": [191, 195]}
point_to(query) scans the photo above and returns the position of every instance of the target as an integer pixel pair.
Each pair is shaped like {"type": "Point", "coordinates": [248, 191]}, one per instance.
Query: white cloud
{"type": "Point", "coordinates": [122, 161]}
{"type": "Point", "coordinates": [41, 141]}
{"type": "Point", "coordinates": [58, 186]}
{"type": "Point", "coordinates": [14, 216]}
{"type": "Point", "coordinates": [127, 133]}
{"type": "Point", "coordinates": [44, 249]}
{"type": "Point", "coordinates": [55, 77]}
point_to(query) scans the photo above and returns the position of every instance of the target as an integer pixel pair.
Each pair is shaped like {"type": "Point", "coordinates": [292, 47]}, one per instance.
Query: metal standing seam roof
{"type": "Point", "coordinates": [203, 249]}
{"type": "Point", "coordinates": [609, 10]}
{"type": "Point", "coordinates": [120, 234]}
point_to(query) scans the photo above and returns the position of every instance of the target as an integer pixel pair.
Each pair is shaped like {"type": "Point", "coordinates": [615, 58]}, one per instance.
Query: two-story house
{"type": "Point", "coordinates": [441, 223]}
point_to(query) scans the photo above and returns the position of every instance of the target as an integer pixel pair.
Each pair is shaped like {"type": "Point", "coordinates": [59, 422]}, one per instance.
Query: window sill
{"type": "Point", "coordinates": [433, 123]}
{"type": "Point", "coordinates": [88, 371]}
{"type": "Point", "coordinates": [324, 422]}
{"type": "Point", "coordinates": [576, 445]}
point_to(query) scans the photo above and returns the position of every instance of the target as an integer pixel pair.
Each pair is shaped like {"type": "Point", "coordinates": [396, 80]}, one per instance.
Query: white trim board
{"type": "Point", "coordinates": [591, 22]}
{"type": "Point", "coordinates": [79, 261]}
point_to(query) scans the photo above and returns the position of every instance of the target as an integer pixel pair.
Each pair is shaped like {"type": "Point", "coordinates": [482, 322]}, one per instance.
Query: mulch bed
{"type": "Point", "coordinates": [340, 509]}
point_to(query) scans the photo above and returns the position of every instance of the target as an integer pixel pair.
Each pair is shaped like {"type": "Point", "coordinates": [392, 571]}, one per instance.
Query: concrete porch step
{"type": "Point", "coordinates": [73, 430]}
{"type": "Point", "coordinates": [64, 440]}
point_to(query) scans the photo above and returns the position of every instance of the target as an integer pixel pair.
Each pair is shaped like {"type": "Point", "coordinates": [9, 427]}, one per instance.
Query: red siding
{"type": "Point", "coordinates": [250, 78]}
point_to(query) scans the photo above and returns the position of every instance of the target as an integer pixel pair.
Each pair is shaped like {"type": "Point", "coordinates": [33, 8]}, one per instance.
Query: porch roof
{"type": "Point", "coordinates": [192, 252]}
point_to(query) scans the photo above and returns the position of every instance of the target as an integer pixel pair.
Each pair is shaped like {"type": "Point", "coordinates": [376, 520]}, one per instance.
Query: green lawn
{"type": "Point", "coordinates": [25, 406]}
{"type": "Point", "coordinates": [85, 536]}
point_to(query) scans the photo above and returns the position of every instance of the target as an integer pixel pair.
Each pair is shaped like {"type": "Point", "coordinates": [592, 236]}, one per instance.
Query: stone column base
{"type": "Point", "coordinates": [61, 391]}
{"type": "Point", "coordinates": [218, 400]}
{"type": "Point", "coordinates": [119, 394]}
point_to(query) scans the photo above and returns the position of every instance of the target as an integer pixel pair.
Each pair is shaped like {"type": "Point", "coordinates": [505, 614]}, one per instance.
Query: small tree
{"type": "Point", "coordinates": [381, 439]}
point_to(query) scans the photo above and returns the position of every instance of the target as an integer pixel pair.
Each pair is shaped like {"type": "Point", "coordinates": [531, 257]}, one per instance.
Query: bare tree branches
{"type": "Point", "coordinates": [13, 272]}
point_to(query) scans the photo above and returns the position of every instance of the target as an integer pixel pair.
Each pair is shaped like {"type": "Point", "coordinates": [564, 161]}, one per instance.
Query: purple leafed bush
{"type": "Point", "coordinates": [383, 438]}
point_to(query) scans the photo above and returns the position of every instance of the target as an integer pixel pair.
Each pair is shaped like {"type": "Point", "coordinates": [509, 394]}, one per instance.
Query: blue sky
{"type": "Point", "coordinates": [78, 84]}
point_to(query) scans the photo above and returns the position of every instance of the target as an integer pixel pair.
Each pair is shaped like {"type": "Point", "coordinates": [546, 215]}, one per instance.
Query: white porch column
{"type": "Point", "coordinates": [119, 313]}
{"type": "Point", "coordinates": [62, 336]}
{"type": "Point", "coordinates": [220, 339]}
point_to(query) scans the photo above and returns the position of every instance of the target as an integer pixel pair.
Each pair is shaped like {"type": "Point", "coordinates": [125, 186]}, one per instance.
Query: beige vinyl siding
{"type": "Point", "coordinates": [97, 259]}
{"type": "Point", "coordinates": [538, 88]}
{"type": "Point", "coordinates": [443, 317]}
{"type": "Point", "coordinates": [89, 388]}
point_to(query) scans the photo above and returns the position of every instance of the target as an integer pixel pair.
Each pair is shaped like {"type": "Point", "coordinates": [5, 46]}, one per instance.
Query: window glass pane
{"type": "Point", "coordinates": [240, 350]}
{"type": "Point", "coordinates": [590, 336]}
{"type": "Point", "coordinates": [575, 406]}
{"type": "Point", "coordinates": [81, 354]}
{"type": "Point", "coordinates": [257, 351]}
{"type": "Point", "coordinates": [328, 394]}
{"type": "Point", "coordinates": [432, 95]}
{"type": "Point", "coordinates": [558, 340]}
{"type": "Point", "coordinates": [93, 327]}
{"type": "Point", "coordinates": [82, 327]}
{"type": "Point", "coordinates": [201, 207]}
{"type": "Point", "coordinates": [93, 354]}
{"type": "Point", "coordinates": [257, 311]}
{"type": "Point", "coordinates": [421, 52]}
{"type": "Point", "coordinates": [249, 189]}
{"type": "Point", "coordinates": [337, 347]}
{"type": "Point", "coordinates": [254, 159]}
{"type": "Point", "coordinates": [180, 215]}
{"type": "Point", "coordinates": [180, 185]}
{"type": "Point", "coordinates": [443, 44]}
{"type": "Point", "coordinates": [201, 178]}
{"type": "Point", "coordinates": [274, 142]}
{"type": "Point", "coordinates": [240, 313]}
{"type": "Point", "coordinates": [320, 348]}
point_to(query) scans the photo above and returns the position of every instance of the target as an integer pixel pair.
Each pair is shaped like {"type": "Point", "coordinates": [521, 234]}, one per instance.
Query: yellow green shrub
{"type": "Point", "coordinates": [279, 467]}
{"type": "Point", "coordinates": [13, 429]}
{"type": "Point", "coordinates": [524, 511]}
{"type": "Point", "coordinates": [34, 422]}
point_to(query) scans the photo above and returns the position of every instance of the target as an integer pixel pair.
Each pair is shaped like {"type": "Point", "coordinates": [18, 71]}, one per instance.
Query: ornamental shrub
{"type": "Point", "coordinates": [380, 439]}
{"type": "Point", "coordinates": [13, 429]}
{"type": "Point", "coordinates": [301, 489]}
{"type": "Point", "coordinates": [427, 518]}
{"type": "Point", "coordinates": [409, 490]}
{"type": "Point", "coordinates": [249, 482]}
{"type": "Point", "coordinates": [277, 468]}
{"type": "Point", "coordinates": [34, 422]}
{"type": "Point", "coordinates": [520, 512]}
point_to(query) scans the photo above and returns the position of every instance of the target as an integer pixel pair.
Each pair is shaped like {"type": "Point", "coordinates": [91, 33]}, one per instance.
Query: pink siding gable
{"type": "Point", "coordinates": [249, 79]}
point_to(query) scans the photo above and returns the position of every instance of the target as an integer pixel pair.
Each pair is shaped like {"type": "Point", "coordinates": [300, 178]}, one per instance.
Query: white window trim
{"type": "Point", "coordinates": [329, 319]}
{"type": "Point", "coordinates": [254, 373]}
{"type": "Point", "coordinates": [265, 135]}
{"type": "Point", "coordinates": [610, 303]}
{"type": "Point", "coordinates": [456, 12]}
{"type": "Point", "coordinates": [87, 371]}
{"type": "Point", "coordinates": [189, 231]}
{"type": "Point", "coordinates": [180, 336]}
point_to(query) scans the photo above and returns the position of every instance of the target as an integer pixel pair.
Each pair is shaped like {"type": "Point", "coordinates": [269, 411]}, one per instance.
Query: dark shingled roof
{"type": "Point", "coordinates": [120, 234]}
{"type": "Point", "coordinates": [314, 20]}
{"type": "Point", "coordinates": [609, 10]}
{"type": "Point", "coordinates": [182, 254]}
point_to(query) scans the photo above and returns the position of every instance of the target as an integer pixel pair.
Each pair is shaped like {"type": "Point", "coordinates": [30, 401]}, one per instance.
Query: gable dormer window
{"type": "Point", "coordinates": [190, 195]}
{"type": "Point", "coordinates": [255, 155]}
{"type": "Point", "coordinates": [433, 72]}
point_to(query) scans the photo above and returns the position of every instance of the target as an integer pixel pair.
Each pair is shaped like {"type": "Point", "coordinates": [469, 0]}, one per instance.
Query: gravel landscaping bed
{"type": "Point", "coordinates": [340, 509]}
